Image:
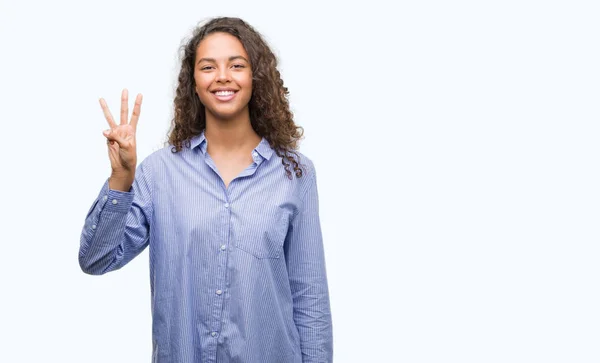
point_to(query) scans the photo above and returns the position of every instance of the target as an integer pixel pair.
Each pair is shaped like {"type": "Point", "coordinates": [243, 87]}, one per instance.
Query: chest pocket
{"type": "Point", "coordinates": [263, 234]}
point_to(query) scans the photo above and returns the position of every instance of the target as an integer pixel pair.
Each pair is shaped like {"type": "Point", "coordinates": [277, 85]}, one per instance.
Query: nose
{"type": "Point", "coordinates": [223, 74]}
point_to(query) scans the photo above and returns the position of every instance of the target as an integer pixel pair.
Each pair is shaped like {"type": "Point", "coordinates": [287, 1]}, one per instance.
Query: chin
{"type": "Point", "coordinates": [226, 114]}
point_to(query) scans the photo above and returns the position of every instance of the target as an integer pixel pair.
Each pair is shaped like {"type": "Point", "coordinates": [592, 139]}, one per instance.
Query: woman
{"type": "Point", "coordinates": [229, 211]}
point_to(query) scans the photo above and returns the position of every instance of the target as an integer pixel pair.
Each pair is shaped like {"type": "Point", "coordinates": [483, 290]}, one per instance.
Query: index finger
{"type": "Point", "coordinates": [124, 106]}
{"type": "Point", "coordinates": [107, 114]}
{"type": "Point", "coordinates": [137, 108]}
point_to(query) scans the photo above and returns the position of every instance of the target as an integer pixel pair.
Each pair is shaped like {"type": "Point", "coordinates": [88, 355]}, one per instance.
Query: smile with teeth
{"type": "Point", "coordinates": [224, 96]}
{"type": "Point", "coordinates": [224, 93]}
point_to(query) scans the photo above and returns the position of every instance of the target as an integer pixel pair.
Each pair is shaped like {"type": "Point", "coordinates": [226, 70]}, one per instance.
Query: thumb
{"type": "Point", "coordinates": [106, 134]}
{"type": "Point", "coordinates": [113, 137]}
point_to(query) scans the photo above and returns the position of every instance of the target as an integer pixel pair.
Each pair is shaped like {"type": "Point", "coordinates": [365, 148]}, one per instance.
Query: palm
{"type": "Point", "coordinates": [122, 157]}
{"type": "Point", "coordinates": [121, 137]}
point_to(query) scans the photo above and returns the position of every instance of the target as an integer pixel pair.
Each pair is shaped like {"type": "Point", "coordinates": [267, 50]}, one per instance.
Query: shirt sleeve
{"type": "Point", "coordinates": [117, 226]}
{"type": "Point", "coordinates": [308, 281]}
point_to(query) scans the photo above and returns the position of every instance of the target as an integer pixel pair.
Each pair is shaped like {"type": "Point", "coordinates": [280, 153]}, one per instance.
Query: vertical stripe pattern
{"type": "Point", "coordinates": [237, 274]}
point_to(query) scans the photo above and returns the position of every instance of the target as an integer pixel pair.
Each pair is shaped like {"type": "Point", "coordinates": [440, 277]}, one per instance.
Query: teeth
{"type": "Point", "coordinates": [224, 93]}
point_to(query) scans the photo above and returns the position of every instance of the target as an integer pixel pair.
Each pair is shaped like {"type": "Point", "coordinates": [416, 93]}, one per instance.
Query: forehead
{"type": "Point", "coordinates": [220, 45]}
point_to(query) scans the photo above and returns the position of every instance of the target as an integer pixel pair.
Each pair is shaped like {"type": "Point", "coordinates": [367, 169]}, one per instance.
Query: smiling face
{"type": "Point", "coordinates": [223, 77]}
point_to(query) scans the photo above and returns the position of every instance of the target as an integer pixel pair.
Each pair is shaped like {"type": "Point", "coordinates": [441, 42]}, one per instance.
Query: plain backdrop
{"type": "Point", "coordinates": [456, 146]}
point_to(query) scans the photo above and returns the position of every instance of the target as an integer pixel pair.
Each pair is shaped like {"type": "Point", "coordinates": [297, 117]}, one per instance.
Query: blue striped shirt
{"type": "Point", "coordinates": [237, 274]}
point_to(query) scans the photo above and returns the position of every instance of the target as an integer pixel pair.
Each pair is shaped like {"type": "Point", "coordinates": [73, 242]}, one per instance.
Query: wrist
{"type": "Point", "coordinates": [121, 181]}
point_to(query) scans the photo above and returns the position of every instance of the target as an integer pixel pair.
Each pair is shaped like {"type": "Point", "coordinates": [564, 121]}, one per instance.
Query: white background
{"type": "Point", "coordinates": [456, 145]}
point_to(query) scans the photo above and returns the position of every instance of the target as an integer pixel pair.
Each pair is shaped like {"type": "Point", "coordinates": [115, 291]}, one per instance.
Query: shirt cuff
{"type": "Point", "coordinates": [115, 200]}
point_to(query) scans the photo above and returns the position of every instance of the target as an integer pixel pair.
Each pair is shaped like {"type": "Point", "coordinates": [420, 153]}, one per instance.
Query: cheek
{"type": "Point", "coordinates": [246, 82]}
{"type": "Point", "coordinates": [196, 83]}
{"type": "Point", "coordinates": [249, 81]}
{"type": "Point", "coordinates": [201, 83]}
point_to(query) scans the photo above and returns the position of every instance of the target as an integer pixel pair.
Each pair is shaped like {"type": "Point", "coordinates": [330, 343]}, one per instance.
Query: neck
{"type": "Point", "coordinates": [230, 136]}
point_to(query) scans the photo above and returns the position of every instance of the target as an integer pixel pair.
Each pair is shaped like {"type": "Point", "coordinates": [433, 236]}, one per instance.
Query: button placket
{"type": "Point", "coordinates": [218, 301]}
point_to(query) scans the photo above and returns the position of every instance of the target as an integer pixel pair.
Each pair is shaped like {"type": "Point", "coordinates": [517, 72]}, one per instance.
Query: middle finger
{"type": "Point", "coordinates": [124, 106]}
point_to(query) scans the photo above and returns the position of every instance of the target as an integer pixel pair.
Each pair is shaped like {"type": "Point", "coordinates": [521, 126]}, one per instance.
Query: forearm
{"type": "Point", "coordinates": [103, 231]}
{"type": "Point", "coordinates": [107, 242]}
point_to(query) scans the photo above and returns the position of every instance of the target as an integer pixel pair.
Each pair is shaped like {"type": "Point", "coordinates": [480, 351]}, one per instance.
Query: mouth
{"type": "Point", "coordinates": [224, 95]}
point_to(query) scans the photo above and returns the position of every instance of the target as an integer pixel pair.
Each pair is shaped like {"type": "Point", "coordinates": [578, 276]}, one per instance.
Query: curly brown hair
{"type": "Point", "coordinates": [269, 109]}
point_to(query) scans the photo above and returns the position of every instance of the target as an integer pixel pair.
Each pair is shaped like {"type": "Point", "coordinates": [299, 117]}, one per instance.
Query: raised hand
{"type": "Point", "coordinates": [121, 142]}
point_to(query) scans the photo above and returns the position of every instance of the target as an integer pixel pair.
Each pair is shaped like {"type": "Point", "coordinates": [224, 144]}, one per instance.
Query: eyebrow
{"type": "Point", "coordinates": [215, 61]}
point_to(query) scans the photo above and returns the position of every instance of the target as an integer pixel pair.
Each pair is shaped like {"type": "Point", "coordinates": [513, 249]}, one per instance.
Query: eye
{"type": "Point", "coordinates": [205, 68]}
{"type": "Point", "coordinates": [238, 66]}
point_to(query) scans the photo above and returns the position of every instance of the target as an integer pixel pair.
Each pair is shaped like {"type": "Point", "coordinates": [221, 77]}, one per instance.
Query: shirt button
{"type": "Point", "coordinates": [105, 198]}
{"type": "Point", "coordinates": [254, 154]}
{"type": "Point", "coordinates": [93, 226]}
{"type": "Point", "coordinates": [226, 205]}
{"type": "Point", "coordinates": [114, 201]}
{"type": "Point", "coordinates": [213, 334]}
{"type": "Point", "coordinates": [219, 292]}
{"type": "Point", "coordinates": [223, 247]}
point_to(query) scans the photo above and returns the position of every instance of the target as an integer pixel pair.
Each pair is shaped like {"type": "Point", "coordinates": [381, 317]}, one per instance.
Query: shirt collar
{"type": "Point", "coordinates": [263, 148]}
{"type": "Point", "coordinates": [198, 140]}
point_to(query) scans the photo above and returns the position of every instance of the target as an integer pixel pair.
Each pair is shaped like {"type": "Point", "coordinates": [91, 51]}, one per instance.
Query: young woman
{"type": "Point", "coordinates": [229, 210]}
